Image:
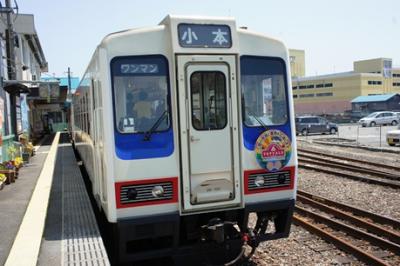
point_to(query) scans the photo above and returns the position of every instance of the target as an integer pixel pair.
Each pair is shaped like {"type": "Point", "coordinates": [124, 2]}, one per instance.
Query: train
{"type": "Point", "coordinates": [186, 130]}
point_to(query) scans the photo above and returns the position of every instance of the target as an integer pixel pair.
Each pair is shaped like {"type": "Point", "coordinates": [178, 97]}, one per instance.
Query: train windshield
{"type": "Point", "coordinates": [140, 86]}
{"type": "Point", "coordinates": [263, 85]}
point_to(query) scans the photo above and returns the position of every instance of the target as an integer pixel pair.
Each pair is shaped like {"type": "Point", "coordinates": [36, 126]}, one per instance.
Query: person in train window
{"type": "Point", "coordinates": [143, 111]}
{"type": "Point", "coordinates": [129, 105]}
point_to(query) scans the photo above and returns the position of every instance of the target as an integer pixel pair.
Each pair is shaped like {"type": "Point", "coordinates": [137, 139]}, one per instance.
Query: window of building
{"type": "Point", "coordinates": [328, 85]}
{"type": "Point", "coordinates": [395, 75]}
{"type": "Point", "coordinates": [302, 87]}
{"type": "Point", "coordinates": [306, 95]}
{"type": "Point", "coordinates": [325, 94]}
{"type": "Point", "coordinates": [396, 84]}
{"type": "Point", "coordinates": [319, 86]}
{"type": "Point", "coordinates": [310, 86]}
{"type": "Point", "coordinates": [294, 95]}
{"type": "Point", "coordinates": [374, 82]}
{"type": "Point", "coordinates": [294, 87]}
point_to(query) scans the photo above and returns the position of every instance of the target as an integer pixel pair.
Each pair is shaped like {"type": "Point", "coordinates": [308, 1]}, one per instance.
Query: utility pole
{"type": "Point", "coordinates": [69, 99]}
{"type": "Point", "coordinates": [69, 82]}
{"type": "Point", "coordinates": [10, 43]}
{"type": "Point", "coordinates": [11, 67]}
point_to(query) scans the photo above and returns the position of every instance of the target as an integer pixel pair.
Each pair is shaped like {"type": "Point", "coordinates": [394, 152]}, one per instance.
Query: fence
{"type": "Point", "coordinates": [375, 136]}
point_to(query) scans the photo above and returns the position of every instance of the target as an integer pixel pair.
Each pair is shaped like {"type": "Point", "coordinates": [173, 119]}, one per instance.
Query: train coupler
{"type": "Point", "coordinates": [218, 230]}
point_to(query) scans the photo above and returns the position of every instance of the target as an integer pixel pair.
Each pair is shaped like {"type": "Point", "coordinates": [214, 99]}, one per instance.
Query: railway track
{"type": "Point", "coordinates": [343, 225]}
{"type": "Point", "coordinates": [366, 164]}
{"type": "Point", "coordinates": [341, 167]}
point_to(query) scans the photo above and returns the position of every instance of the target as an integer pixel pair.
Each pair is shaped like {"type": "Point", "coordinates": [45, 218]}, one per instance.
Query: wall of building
{"type": "Point", "coordinates": [369, 66]}
{"type": "Point", "coordinates": [297, 63]}
{"type": "Point", "coordinates": [333, 93]}
{"type": "Point", "coordinates": [395, 81]}
{"type": "Point", "coordinates": [325, 95]}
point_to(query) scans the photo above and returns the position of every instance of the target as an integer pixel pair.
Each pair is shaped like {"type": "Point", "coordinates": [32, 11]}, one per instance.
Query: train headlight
{"type": "Point", "coordinates": [131, 193]}
{"type": "Point", "coordinates": [158, 191]}
{"type": "Point", "coordinates": [259, 181]}
{"type": "Point", "coordinates": [281, 179]}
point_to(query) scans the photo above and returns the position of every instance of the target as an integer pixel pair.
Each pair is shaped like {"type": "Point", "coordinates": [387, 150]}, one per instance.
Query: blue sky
{"type": "Point", "coordinates": [332, 33]}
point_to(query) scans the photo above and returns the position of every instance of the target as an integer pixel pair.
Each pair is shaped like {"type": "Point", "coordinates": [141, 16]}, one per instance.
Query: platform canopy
{"type": "Point", "coordinates": [42, 89]}
{"type": "Point", "coordinates": [16, 88]}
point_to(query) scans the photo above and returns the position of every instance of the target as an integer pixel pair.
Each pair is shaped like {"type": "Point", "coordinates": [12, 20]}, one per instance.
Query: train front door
{"type": "Point", "coordinates": [209, 135]}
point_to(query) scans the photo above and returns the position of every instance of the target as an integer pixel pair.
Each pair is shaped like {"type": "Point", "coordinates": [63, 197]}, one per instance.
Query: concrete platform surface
{"type": "Point", "coordinates": [59, 226]}
{"type": "Point", "coordinates": [14, 198]}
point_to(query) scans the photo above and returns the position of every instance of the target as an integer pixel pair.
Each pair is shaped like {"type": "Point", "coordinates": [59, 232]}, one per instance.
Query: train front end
{"type": "Point", "coordinates": [203, 152]}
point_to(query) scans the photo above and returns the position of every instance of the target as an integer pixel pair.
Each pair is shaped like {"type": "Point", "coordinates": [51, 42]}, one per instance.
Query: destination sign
{"type": "Point", "coordinates": [138, 68]}
{"type": "Point", "coordinates": [204, 35]}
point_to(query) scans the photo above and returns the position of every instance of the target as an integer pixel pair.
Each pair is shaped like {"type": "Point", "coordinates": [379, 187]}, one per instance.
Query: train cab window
{"type": "Point", "coordinates": [140, 87]}
{"type": "Point", "coordinates": [263, 87]}
{"type": "Point", "coordinates": [208, 100]}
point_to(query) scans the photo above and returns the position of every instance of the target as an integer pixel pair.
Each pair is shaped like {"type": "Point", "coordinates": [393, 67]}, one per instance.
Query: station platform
{"type": "Point", "coordinates": [54, 223]}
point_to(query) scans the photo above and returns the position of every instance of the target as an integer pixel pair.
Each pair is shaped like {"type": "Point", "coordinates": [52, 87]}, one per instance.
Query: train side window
{"type": "Point", "coordinates": [208, 100]}
{"type": "Point", "coordinates": [263, 84]}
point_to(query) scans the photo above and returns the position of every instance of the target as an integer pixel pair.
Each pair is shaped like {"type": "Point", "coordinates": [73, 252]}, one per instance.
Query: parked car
{"type": "Point", "coordinates": [354, 116]}
{"type": "Point", "coordinates": [393, 136]}
{"type": "Point", "coordinates": [314, 124]}
{"type": "Point", "coordinates": [380, 118]}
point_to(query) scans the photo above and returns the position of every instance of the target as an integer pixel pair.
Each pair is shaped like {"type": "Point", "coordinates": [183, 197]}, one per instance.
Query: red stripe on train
{"type": "Point", "coordinates": [247, 173]}
{"type": "Point", "coordinates": [119, 185]}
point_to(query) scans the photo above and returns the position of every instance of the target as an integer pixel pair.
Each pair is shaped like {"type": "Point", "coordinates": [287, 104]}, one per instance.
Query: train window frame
{"type": "Point", "coordinates": [165, 73]}
{"type": "Point", "coordinates": [283, 68]}
{"type": "Point", "coordinates": [226, 98]}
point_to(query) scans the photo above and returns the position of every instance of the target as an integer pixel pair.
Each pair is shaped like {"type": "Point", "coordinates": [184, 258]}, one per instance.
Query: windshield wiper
{"type": "Point", "coordinates": [147, 135]}
{"type": "Point", "coordinates": [256, 118]}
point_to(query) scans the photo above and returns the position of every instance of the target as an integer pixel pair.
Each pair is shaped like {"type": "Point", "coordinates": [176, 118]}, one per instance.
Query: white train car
{"type": "Point", "coordinates": [185, 129]}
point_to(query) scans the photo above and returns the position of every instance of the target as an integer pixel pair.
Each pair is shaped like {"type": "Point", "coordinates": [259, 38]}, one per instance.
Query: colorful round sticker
{"type": "Point", "coordinates": [273, 149]}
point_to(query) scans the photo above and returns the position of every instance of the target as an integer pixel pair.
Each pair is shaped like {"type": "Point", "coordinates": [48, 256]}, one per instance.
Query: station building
{"type": "Point", "coordinates": [374, 103]}
{"type": "Point", "coordinates": [22, 62]}
{"type": "Point", "coordinates": [333, 93]}
{"type": "Point", "coordinates": [48, 102]}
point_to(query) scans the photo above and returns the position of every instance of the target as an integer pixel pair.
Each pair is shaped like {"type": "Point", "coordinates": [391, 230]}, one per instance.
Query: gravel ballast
{"type": "Point", "coordinates": [303, 248]}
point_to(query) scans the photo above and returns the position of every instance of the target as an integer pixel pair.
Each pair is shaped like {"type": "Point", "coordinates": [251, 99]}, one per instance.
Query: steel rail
{"type": "Point", "coordinates": [341, 244]}
{"type": "Point", "coordinates": [388, 183]}
{"type": "Point", "coordinates": [357, 233]}
{"type": "Point", "coordinates": [345, 166]}
{"type": "Point", "coordinates": [356, 211]}
{"type": "Point", "coordinates": [373, 228]}
{"type": "Point", "coordinates": [351, 159]}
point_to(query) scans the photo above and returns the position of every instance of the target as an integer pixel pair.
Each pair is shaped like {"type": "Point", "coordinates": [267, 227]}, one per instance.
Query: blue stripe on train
{"type": "Point", "coordinates": [251, 134]}
{"type": "Point", "coordinates": [132, 146]}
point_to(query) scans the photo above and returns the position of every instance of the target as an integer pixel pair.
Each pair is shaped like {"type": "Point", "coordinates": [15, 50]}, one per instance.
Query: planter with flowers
{"type": "Point", "coordinates": [27, 148]}
{"type": "Point", "coordinates": [3, 179]}
{"type": "Point", "coordinates": [18, 163]}
{"type": "Point", "coordinates": [8, 170]}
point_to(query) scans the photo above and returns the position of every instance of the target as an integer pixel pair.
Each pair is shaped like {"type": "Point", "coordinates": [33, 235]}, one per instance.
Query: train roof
{"type": "Point", "coordinates": [172, 23]}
